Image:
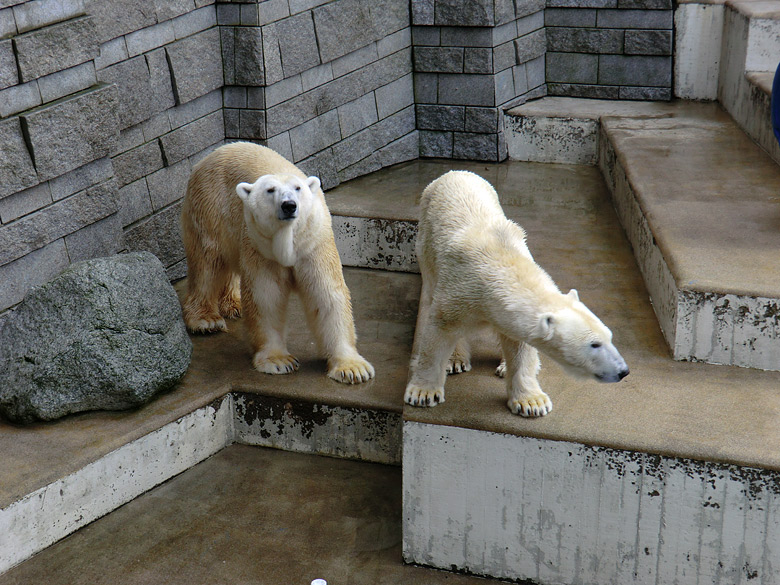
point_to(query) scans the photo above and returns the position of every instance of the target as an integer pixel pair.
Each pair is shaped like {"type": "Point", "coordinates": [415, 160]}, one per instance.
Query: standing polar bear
{"type": "Point", "coordinates": [477, 270]}
{"type": "Point", "coordinates": [255, 228]}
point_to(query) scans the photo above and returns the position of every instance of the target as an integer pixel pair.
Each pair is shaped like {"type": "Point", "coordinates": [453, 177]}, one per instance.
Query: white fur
{"type": "Point", "coordinates": [477, 270]}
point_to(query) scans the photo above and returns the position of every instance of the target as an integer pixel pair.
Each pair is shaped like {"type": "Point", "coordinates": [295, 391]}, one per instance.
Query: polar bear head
{"type": "Point", "coordinates": [275, 201]}
{"type": "Point", "coordinates": [575, 338]}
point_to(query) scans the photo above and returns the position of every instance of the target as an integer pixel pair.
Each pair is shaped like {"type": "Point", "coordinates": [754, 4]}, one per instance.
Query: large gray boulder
{"type": "Point", "coordinates": [106, 334]}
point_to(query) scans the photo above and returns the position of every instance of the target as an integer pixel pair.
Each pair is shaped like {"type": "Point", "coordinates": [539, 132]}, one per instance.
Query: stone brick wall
{"type": "Point", "coordinates": [612, 49]}
{"type": "Point", "coordinates": [471, 59]}
{"type": "Point", "coordinates": [328, 84]}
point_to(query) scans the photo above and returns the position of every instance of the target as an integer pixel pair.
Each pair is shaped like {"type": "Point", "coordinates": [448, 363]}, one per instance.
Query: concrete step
{"type": "Point", "coordinates": [668, 476]}
{"type": "Point", "coordinates": [749, 58]}
{"type": "Point", "coordinates": [699, 202]}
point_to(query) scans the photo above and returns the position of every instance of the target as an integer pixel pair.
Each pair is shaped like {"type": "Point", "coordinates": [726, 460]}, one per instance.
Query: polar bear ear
{"type": "Point", "coordinates": [313, 183]}
{"type": "Point", "coordinates": [574, 295]}
{"type": "Point", "coordinates": [243, 190]}
{"type": "Point", "coordinates": [545, 328]}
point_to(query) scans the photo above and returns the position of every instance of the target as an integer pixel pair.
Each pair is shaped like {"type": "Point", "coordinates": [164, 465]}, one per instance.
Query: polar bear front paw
{"type": "Point", "coordinates": [275, 363]}
{"type": "Point", "coordinates": [457, 365]}
{"type": "Point", "coordinates": [352, 370]}
{"type": "Point", "coordinates": [501, 369]}
{"type": "Point", "coordinates": [531, 406]}
{"type": "Point", "coordinates": [207, 325]}
{"type": "Point", "coordinates": [417, 396]}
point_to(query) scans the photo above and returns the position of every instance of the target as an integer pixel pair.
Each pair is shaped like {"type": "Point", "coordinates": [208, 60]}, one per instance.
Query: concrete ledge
{"type": "Point", "coordinates": [556, 512]}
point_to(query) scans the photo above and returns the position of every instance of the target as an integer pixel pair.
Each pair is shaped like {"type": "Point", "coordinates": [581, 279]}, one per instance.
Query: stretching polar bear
{"type": "Point", "coordinates": [255, 228]}
{"type": "Point", "coordinates": [477, 270]}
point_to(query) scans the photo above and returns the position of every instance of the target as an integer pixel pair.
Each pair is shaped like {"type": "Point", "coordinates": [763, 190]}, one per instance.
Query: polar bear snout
{"type": "Point", "coordinates": [288, 209]}
{"type": "Point", "coordinates": [615, 368]}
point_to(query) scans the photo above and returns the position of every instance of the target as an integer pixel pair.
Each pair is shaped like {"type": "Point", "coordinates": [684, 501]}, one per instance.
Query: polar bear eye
{"type": "Point", "coordinates": [298, 188]}
{"type": "Point", "coordinates": [595, 345]}
{"type": "Point", "coordinates": [270, 189]}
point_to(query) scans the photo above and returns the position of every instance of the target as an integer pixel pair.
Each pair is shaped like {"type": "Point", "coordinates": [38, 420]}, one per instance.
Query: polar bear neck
{"type": "Point", "coordinates": [283, 245]}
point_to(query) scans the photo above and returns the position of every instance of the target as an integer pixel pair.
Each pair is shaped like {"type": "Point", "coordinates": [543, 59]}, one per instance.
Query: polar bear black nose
{"type": "Point", "coordinates": [289, 207]}
{"type": "Point", "coordinates": [623, 373]}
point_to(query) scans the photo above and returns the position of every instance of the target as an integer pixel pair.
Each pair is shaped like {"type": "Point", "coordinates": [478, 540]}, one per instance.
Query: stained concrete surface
{"type": "Point", "coordinates": [245, 516]}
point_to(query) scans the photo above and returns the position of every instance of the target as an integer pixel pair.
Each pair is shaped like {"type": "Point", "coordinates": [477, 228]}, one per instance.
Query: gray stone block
{"type": "Point", "coordinates": [134, 202]}
{"type": "Point", "coordinates": [505, 86]}
{"type": "Point", "coordinates": [111, 52]}
{"type": "Point", "coordinates": [438, 59]}
{"type": "Point", "coordinates": [159, 234]}
{"type": "Point", "coordinates": [234, 96]}
{"type": "Point", "coordinates": [74, 131]}
{"type": "Point", "coordinates": [271, 11]}
{"type": "Point", "coordinates": [301, 5]}
{"type": "Point", "coordinates": [19, 98]}
{"type": "Point", "coordinates": [9, 74]}
{"type": "Point", "coordinates": [584, 90]}
{"type": "Point", "coordinates": [645, 19]}
{"type": "Point", "coordinates": [56, 221]}
{"type": "Point", "coordinates": [647, 4]}
{"type": "Point", "coordinates": [534, 22]}
{"type": "Point", "coordinates": [520, 78]}
{"type": "Point", "coordinates": [31, 270]}
{"type": "Point", "coordinates": [24, 202]}
{"type": "Point", "coordinates": [255, 98]}
{"type": "Point", "coordinates": [584, 40]}
{"type": "Point", "coordinates": [572, 68]}
{"type": "Point", "coordinates": [147, 39]}
{"type": "Point", "coordinates": [393, 127]}
{"type": "Point", "coordinates": [475, 146]}
{"type": "Point", "coordinates": [466, 90]}
{"type": "Point", "coordinates": [357, 115]}
{"type": "Point", "coordinates": [342, 27]}
{"type": "Point", "coordinates": [462, 36]}
{"type": "Point", "coordinates": [17, 171]}
{"type": "Point", "coordinates": [645, 93]}
{"type": "Point", "coordinates": [249, 15]}
{"type": "Point", "coordinates": [115, 18]}
{"type": "Point", "coordinates": [263, 55]}
{"type": "Point", "coordinates": [232, 125]}
{"type": "Point", "coordinates": [55, 47]}
{"type": "Point", "coordinates": [370, 164]}
{"type": "Point", "coordinates": [283, 90]}
{"type": "Point", "coordinates": [140, 97]}
{"type": "Point", "coordinates": [535, 74]}
{"type": "Point", "coordinates": [426, 88]}
{"type": "Point", "coordinates": [193, 137]}
{"type": "Point", "coordinates": [395, 96]}
{"type": "Point", "coordinates": [322, 165]}
{"type": "Point", "coordinates": [525, 7]}
{"type": "Point", "coordinates": [297, 43]}
{"type": "Point", "coordinates": [194, 22]}
{"type": "Point", "coordinates": [168, 184]}
{"type": "Point", "coordinates": [251, 125]}
{"type": "Point", "coordinates": [431, 117]}
{"type": "Point", "coordinates": [648, 42]}
{"type": "Point", "coordinates": [426, 36]}
{"type": "Point", "coordinates": [250, 58]}
{"type": "Point", "coordinates": [464, 13]}
{"type": "Point", "coordinates": [106, 334]}
{"type": "Point", "coordinates": [102, 238]}
{"type": "Point", "coordinates": [81, 178]}
{"type": "Point", "coordinates": [315, 135]}
{"type": "Point", "coordinates": [404, 149]}
{"type": "Point", "coordinates": [635, 70]}
{"type": "Point", "coordinates": [585, 17]}
{"type": "Point", "coordinates": [281, 144]}
{"type": "Point", "coordinates": [138, 162]}
{"type": "Point", "coordinates": [504, 56]}
{"type": "Point", "coordinates": [484, 120]}
{"type": "Point", "coordinates": [354, 60]}
{"type": "Point", "coordinates": [228, 14]}
{"type": "Point", "coordinates": [197, 108]}
{"type": "Point", "coordinates": [227, 36]}
{"type": "Point", "coordinates": [157, 125]}
{"type": "Point", "coordinates": [477, 60]}
{"type": "Point", "coordinates": [388, 16]}
{"type": "Point", "coordinates": [168, 9]}
{"type": "Point", "coordinates": [422, 12]}
{"type": "Point", "coordinates": [316, 76]}
{"type": "Point", "coordinates": [531, 46]}
{"type": "Point", "coordinates": [62, 83]}
{"type": "Point", "coordinates": [7, 22]}
{"type": "Point", "coordinates": [193, 75]}
{"type": "Point", "coordinates": [435, 144]}
{"type": "Point", "coordinates": [582, 3]}
{"type": "Point", "coordinates": [354, 149]}
{"type": "Point", "coordinates": [34, 15]}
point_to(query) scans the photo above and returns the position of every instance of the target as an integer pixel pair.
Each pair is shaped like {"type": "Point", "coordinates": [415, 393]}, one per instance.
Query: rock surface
{"type": "Point", "coordinates": [106, 334]}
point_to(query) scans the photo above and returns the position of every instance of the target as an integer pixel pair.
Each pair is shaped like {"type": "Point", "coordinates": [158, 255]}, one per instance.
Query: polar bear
{"type": "Point", "coordinates": [476, 271]}
{"type": "Point", "coordinates": [255, 228]}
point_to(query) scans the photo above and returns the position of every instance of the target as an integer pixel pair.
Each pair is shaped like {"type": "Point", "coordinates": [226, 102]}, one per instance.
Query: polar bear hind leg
{"type": "Point", "coordinates": [230, 298]}
{"type": "Point", "coordinates": [460, 360]}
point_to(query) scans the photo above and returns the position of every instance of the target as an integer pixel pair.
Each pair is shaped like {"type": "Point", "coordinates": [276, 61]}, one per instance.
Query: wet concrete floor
{"type": "Point", "coordinates": [247, 515]}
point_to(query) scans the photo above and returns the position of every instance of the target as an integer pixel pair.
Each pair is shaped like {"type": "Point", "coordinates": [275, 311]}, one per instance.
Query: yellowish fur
{"type": "Point", "coordinates": [232, 265]}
